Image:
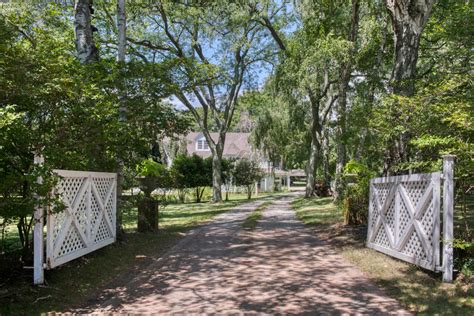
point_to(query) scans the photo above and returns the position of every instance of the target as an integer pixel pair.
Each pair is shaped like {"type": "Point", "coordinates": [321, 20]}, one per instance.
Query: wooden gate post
{"type": "Point", "coordinates": [38, 237]}
{"type": "Point", "coordinates": [448, 217]}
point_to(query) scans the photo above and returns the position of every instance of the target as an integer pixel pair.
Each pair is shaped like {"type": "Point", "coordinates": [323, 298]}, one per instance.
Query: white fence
{"type": "Point", "coordinates": [87, 223]}
{"type": "Point", "coordinates": [405, 218]}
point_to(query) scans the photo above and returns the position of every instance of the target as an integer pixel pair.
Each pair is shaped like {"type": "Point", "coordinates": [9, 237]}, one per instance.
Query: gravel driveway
{"type": "Point", "coordinates": [279, 267]}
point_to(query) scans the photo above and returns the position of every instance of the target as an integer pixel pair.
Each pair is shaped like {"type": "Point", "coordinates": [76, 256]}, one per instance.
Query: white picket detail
{"type": "Point", "coordinates": [88, 222]}
{"type": "Point", "coordinates": [404, 218]}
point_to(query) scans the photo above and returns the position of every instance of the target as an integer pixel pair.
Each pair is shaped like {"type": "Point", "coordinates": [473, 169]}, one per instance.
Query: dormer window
{"type": "Point", "coordinates": [202, 145]}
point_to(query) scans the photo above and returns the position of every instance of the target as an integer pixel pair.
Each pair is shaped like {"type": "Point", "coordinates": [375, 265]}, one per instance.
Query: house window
{"type": "Point", "coordinates": [202, 145]}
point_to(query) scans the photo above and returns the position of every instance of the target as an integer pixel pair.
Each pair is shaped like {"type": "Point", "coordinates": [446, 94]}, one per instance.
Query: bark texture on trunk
{"type": "Point", "coordinates": [325, 155]}
{"type": "Point", "coordinates": [121, 45]}
{"type": "Point", "coordinates": [122, 30]}
{"type": "Point", "coordinates": [314, 151]}
{"type": "Point", "coordinates": [85, 46]}
{"type": "Point", "coordinates": [408, 18]}
{"type": "Point", "coordinates": [217, 174]}
{"type": "Point", "coordinates": [344, 79]}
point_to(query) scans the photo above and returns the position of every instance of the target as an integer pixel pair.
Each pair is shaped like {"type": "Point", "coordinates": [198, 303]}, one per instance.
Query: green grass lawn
{"type": "Point", "coordinates": [252, 220]}
{"type": "Point", "coordinates": [417, 289]}
{"type": "Point", "coordinates": [317, 211]}
{"type": "Point", "coordinates": [74, 283]}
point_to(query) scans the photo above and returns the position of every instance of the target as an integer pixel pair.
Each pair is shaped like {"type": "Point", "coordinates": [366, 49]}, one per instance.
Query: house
{"type": "Point", "coordinates": [237, 145]}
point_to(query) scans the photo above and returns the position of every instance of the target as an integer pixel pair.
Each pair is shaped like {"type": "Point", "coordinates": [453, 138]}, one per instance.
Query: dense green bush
{"type": "Point", "coordinates": [246, 172]}
{"type": "Point", "coordinates": [191, 172]}
{"type": "Point", "coordinates": [356, 195]}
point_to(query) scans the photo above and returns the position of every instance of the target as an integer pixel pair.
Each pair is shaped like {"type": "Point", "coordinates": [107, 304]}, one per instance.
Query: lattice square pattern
{"type": "Point", "coordinates": [88, 222]}
{"type": "Point", "coordinates": [403, 217]}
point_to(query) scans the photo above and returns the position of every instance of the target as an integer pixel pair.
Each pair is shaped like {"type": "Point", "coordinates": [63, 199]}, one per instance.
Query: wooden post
{"type": "Point", "coordinates": [288, 182]}
{"type": "Point", "coordinates": [38, 237]}
{"type": "Point", "coordinates": [448, 217]}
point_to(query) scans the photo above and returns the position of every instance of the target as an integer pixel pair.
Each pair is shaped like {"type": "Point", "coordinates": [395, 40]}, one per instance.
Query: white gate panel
{"type": "Point", "coordinates": [88, 222]}
{"type": "Point", "coordinates": [404, 218]}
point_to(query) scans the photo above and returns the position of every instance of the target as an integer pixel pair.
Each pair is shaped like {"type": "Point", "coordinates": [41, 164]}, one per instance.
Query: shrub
{"type": "Point", "coordinates": [356, 195]}
{"type": "Point", "coordinates": [246, 173]}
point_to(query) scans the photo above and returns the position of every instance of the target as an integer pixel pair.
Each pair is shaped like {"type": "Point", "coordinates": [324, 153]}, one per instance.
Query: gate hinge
{"type": "Point", "coordinates": [439, 268]}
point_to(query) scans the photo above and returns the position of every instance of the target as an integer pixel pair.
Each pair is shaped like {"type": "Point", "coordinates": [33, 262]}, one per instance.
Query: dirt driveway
{"type": "Point", "coordinates": [279, 267]}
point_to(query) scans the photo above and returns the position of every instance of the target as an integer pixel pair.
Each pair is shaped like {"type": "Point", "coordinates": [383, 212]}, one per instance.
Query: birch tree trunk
{"type": "Point", "coordinates": [85, 46]}
{"type": "Point", "coordinates": [121, 46]}
{"type": "Point", "coordinates": [122, 30]}
{"type": "Point", "coordinates": [345, 77]}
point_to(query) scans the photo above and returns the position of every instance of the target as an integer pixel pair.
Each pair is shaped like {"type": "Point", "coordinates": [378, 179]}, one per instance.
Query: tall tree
{"type": "Point", "coordinates": [121, 51]}
{"type": "Point", "coordinates": [121, 30]}
{"type": "Point", "coordinates": [409, 18]}
{"type": "Point", "coordinates": [213, 48]}
{"type": "Point", "coordinates": [345, 77]}
{"type": "Point", "coordinates": [310, 74]}
{"type": "Point", "coordinates": [85, 46]}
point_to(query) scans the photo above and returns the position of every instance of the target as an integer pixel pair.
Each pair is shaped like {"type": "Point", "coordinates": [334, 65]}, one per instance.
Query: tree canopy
{"type": "Point", "coordinates": [387, 85]}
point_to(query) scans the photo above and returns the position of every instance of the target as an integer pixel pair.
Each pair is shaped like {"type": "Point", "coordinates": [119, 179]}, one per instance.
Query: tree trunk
{"type": "Point", "coordinates": [249, 192]}
{"type": "Point", "coordinates": [198, 198]}
{"type": "Point", "coordinates": [85, 46]}
{"type": "Point", "coordinates": [199, 194]}
{"type": "Point", "coordinates": [325, 159]}
{"type": "Point", "coordinates": [311, 170]}
{"type": "Point", "coordinates": [122, 30]}
{"type": "Point", "coordinates": [314, 153]}
{"type": "Point", "coordinates": [344, 79]}
{"type": "Point", "coordinates": [216, 177]}
{"type": "Point", "coordinates": [121, 45]}
{"type": "Point", "coordinates": [409, 18]}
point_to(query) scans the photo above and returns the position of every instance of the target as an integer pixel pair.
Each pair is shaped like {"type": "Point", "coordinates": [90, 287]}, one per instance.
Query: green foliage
{"type": "Point", "coordinates": [50, 103]}
{"type": "Point", "coordinates": [246, 173]}
{"type": "Point", "coordinates": [191, 172]}
{"type": "Point", "coordinates": [150, 168]}
{"type": "Point", "coordinates": [356, 195]}
{"type": "Point", "coordinates": [153, 175]}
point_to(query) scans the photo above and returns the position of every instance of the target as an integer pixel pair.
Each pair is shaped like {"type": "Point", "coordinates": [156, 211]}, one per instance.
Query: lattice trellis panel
{"type": "Point", "coordinates": [88, 222]}
{"type": "Point", "coordinates": [404, 218]}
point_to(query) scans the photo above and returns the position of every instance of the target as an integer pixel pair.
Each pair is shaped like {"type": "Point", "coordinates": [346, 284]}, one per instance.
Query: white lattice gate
{"type": "Point", "coordinates": [89, 220]}
{"type": "Point", "coordinates": [404, 218]}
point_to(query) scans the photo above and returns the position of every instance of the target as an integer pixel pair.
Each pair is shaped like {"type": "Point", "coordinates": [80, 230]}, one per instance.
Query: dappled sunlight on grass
{"type": "Point", "coordinates": [81, 279]}
{"type": "Point", "coordinates": [252, 220]}
{"type": "Point", "coordinates": [418, 289]}
{"type": "Point", "coordinates": [317, 211]}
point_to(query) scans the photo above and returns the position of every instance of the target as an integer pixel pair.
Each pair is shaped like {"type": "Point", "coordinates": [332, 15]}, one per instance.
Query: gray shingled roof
{"type": "Point", "coordinates": [236, 145]}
